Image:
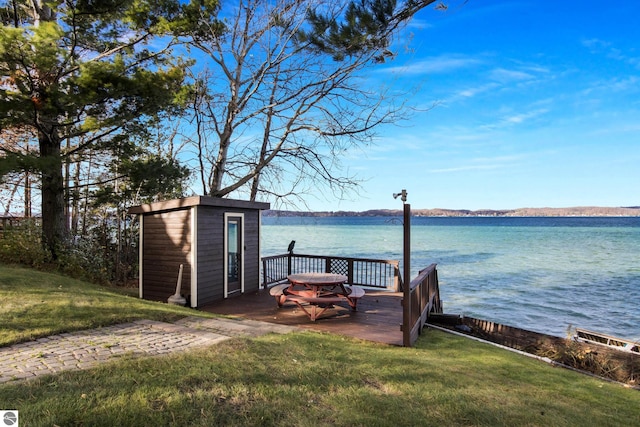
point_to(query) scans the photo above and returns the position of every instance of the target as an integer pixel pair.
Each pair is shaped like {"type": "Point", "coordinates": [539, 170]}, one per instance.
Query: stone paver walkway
{"type": "Point", "coordinates": [89, 348]}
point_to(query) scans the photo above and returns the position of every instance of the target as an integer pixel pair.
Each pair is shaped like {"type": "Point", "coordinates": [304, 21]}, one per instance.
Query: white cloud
{"type": "Point", "coordinates": [595, 44]}
{"type": "Point", "coordinates": [601, 47]}
{"type": "Point", "coordinates": [522, 117]}
{"type": "Point", "coordinates": [463, 169]}
{"type": "Point", "coordinates": [505, 76]}
{"type": "Point", "coordinates": [621, 85]}
{"type": "Point", "coordinates": [631, 83]}
{"type": "Point", "coordinates": [515, 119]}
{"type": "Point", "coordinates": [420, 24]}
{"type": "Point", "coordinates": [471, 92]}
{"type": "Point", "coordinates": [435, 65]}
{"type": "Point", "coordinates": [482, 163]}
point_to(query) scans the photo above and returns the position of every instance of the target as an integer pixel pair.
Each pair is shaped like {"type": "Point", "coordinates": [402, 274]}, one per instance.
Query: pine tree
{"type": "Point", "coordinates": [84, 71]}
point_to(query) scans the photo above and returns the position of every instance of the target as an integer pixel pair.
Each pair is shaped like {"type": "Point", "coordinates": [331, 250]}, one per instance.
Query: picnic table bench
{"type": "Point", "coordinates": [314, 293]}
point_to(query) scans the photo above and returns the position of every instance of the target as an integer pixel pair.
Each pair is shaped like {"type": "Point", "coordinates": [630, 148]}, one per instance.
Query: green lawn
{"type": "Point", "coordinates": [304, 379]}
{"type": "Point", "coordinates": [36, 304]}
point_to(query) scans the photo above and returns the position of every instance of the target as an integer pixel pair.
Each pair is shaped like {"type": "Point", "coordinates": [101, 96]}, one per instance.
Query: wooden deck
{"type": "Point", "coordinates": [378, 318]}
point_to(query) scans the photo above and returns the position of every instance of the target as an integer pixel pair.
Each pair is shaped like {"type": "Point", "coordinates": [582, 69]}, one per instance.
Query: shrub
{"type": "Point", "coordinates": [93, 258]}
{"type": "Point", "coordinates": [22, 244]}
{"type": "Point", "coordinates": [84, 259]}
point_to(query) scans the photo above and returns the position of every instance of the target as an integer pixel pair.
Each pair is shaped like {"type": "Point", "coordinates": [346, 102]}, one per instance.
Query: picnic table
{"type": "Point", "coordinates": [314, 293]}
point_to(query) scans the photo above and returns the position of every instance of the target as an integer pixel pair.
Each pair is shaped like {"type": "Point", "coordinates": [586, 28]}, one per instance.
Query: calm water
{"type": "Point", "coordinates": [543, 274]}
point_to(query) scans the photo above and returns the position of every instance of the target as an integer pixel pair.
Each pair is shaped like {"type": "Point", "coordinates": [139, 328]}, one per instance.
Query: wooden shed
{"type": "Point", "coordinates": [216, 240]}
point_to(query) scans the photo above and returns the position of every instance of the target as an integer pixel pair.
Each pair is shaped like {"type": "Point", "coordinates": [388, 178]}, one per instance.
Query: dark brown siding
{"type": "Point", "coordinates": [167, 244]}
{"type": "Point", "coordinates": [210, 241]}
{"type": "Point", "coordinates": [210, 254]}
{"type": "Point", "coordinates": [252, 253]}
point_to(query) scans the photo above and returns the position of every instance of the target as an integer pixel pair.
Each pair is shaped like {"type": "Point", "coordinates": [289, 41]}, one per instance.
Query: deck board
{"type": "Point", "coordinates": [377, 319]}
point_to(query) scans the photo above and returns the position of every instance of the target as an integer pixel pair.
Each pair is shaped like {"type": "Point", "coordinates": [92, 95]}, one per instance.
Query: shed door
{"type": "Point", "coordinates": [234, 254]}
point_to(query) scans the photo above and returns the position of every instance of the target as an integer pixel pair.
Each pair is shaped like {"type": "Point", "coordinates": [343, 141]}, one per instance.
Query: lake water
{"type": "Point", "coordinates": [542, 274]}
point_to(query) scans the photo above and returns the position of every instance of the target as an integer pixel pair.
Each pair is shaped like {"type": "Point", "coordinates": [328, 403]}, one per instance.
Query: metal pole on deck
{"type": "Point", "coordinates": [406, 279]}
{"type": "Point", "coordinates": [406, 288]}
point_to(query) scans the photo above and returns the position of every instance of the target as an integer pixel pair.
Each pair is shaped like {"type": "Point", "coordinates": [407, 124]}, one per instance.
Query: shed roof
{"type": "Point", "coordinates": [188, 202]}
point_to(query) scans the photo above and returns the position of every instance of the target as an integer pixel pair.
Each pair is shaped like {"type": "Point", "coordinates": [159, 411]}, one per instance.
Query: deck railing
{"type": "Point", "coordinates": [373, 273]}
{"type": "Point", "coordinates": [423, 296]}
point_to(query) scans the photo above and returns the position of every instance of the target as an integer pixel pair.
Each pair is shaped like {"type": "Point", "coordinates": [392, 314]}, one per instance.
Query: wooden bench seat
{"type": "Point", "coordinates": [356, 292]}
{"type": "Point", "coordinates": [313, 305]}
{"type": "Point", "coordinates": [316, 300]}
{"type": "Point", "coordinates": [278, 292]}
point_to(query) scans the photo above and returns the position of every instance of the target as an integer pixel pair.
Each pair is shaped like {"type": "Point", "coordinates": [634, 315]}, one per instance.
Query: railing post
{"type": "Point", "coordinates": [406, 284]}
{"type": "Point", "coordinates": [289, 264]}
{"type": "Point", "coordinates": [264, 273]}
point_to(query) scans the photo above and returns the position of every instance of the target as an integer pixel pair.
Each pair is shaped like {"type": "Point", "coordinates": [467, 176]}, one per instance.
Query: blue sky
{"type": "Point", "coordinates": [520, 104]}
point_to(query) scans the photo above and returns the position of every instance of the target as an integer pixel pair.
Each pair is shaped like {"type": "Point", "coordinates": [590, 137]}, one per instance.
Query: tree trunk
{"type": "Point", "coordinates": [75, 203]}
{"type": "Point", "coordinates": [67, 185]}
{"type": "Point", "coordinates": [27, 194]}
{"type": "Point", "coordinates": [221, 160]}
{"type": "Point", "coordinates": [53, 207]}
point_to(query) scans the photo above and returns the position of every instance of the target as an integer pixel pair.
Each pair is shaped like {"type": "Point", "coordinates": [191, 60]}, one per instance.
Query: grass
{"type": "Point", "coordinates": [312, 379]}
{"type": "Point", "coordinates": [37, 304]}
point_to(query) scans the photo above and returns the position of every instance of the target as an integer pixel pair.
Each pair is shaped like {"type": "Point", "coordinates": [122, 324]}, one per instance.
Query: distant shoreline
{"type": "Point", "coordinates": [580, 211]}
